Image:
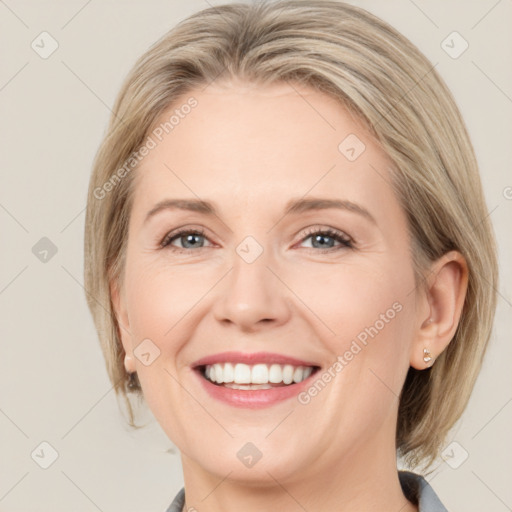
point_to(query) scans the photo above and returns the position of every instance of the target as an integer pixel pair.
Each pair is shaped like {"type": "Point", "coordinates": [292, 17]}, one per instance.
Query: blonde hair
{"type": "Point", "coordinates": [385, 81]}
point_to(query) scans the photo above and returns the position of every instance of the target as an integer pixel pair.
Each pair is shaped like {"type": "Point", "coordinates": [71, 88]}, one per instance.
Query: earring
{"type": "Point", "coordinates": [427, 356]}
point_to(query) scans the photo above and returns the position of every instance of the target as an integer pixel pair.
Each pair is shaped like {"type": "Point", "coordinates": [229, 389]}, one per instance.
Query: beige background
{"type": "Point", "coordinates": [54, 387]}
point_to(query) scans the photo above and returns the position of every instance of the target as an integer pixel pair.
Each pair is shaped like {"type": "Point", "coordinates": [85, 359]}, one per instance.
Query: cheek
{"type": "Point", "coordinates": [372, 316]}
{"type": "Point", "coordinates": [161, 314]}
{"type": "Point", "coordinates": [371, 313]}
{"type": "Point", "coordinates": [356, 301]}
{"type": "Point", "coordinates": [160, 299]}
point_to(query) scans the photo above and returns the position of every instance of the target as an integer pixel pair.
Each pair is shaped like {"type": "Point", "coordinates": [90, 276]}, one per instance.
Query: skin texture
{"type": "Point", "coordinates": [249, 150]}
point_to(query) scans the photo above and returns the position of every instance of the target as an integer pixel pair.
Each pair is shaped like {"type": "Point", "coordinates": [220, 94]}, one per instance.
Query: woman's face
{"type": "Point", "coordinates": [292, 265]}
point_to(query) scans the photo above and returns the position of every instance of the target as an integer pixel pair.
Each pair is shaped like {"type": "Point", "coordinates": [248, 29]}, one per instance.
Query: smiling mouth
{"type": "Point", "coordinates": [257, 376]}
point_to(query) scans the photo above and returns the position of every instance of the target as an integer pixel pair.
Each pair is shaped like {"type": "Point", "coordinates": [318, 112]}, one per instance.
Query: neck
{"type": "Point", "coordinates": [365, 479]}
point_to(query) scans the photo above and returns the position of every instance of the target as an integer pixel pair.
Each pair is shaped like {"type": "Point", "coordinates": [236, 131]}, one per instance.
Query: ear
{"type": "Point", "coordinates": [119, 304]}
{"type": "Point", "coordinates": [443, 300]}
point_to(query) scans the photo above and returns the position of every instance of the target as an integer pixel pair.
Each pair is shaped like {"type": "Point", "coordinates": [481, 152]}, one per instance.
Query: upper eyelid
{"type": "Point", "coordinates": [331, 231]}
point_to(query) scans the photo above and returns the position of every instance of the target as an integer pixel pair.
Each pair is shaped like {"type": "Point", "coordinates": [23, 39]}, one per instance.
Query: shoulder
{"type": "Point", "coordinates": [419, 491]}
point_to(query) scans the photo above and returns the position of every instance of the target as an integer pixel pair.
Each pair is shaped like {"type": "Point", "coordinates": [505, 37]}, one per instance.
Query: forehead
{"type": "Point", "coordinates": [245, 143]}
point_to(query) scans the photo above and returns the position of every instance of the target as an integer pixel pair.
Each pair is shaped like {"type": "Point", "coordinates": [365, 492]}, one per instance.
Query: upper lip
{"type": "Point", "coordinates": [251, 359]}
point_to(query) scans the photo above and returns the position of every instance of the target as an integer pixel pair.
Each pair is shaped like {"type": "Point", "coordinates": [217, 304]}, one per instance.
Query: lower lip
{"type": "Point", "coordinates": [253, 398]}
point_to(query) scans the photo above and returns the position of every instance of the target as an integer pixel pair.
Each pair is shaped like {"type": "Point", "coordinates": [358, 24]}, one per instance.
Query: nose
{"type": "Point", "coordinates": [252, 296]}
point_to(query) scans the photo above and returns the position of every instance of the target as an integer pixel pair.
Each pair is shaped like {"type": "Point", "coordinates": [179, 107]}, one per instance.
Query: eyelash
{"type": "Point", "coordinates": [345, 241]}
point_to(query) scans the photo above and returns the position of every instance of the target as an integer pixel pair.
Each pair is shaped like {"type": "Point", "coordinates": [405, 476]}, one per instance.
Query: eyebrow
{"type": "Point", "coordinates": [294, 206]}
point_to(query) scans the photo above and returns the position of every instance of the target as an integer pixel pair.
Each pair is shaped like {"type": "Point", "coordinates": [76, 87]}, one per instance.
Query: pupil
{"type": "Point", "coordinates": [190, 239]}
{"type": "Point", "coordinates": [321, 238]}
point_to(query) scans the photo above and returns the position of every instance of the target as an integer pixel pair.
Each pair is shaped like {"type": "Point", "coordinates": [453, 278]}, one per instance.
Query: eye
{"type": "Point", "coordinates": [325, 239]}
{"type": "Point", "coordinates": [322, 239]}
{"type": "Point", "coordinates": [190, 239]}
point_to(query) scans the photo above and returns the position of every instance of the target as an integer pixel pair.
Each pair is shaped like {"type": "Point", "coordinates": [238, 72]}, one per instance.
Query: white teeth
{"type": "Point", "coordinates": [258, 376]}
{"type": "Point", "coordinates": [219, 377]}
{"type": "Point", "coordinates": [229, 372]}
{"type": "Point", "coordinates": [275, 375]}
{"type": "Point", "coordinates": [242, 374]}
{"type": "Point", "coordinates": [288, 374]}
{"type": "Point", "coordinates": [249, 386]}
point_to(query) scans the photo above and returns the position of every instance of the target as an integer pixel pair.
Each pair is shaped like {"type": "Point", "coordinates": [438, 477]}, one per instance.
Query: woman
{"type": "Point", "coordinates": [286, 243]}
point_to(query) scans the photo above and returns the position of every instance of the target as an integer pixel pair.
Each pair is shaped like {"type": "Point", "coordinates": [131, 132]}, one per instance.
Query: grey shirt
{"type": "Point", "coordinates": [416, 489]}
